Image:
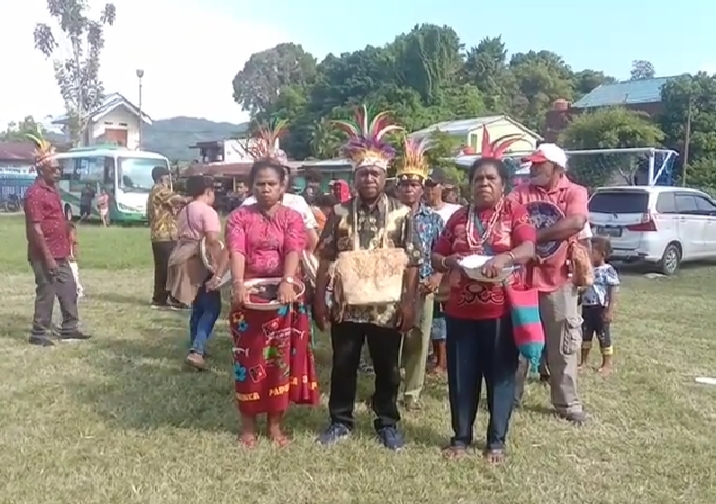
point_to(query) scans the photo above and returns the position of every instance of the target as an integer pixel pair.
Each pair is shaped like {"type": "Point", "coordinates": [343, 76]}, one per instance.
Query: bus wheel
{"type": "Point", "coordinates": [68, 213]}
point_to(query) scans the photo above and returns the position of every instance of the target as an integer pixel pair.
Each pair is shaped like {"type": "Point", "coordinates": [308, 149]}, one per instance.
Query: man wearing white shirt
{"type": "Point", "coordinates": [298, 203]}
{"type": "Point", "coordinates": [434, 186]}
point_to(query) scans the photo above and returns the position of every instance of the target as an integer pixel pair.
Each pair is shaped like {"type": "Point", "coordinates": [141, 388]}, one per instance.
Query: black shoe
{"type": "Point", "coordinates": [75, 335]}
{"type": "Point", "coordinates": [333, 434]}
{"type": "Point", "coordinates": [391, 438]}
{"type": "Point", "coordinates": [42, 341]}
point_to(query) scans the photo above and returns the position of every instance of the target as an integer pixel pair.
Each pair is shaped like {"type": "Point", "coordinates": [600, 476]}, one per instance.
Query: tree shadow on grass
{"type": "Point", "coordinates": [144, 385]}
{"type": "Point", "coordinates": [116, 298]}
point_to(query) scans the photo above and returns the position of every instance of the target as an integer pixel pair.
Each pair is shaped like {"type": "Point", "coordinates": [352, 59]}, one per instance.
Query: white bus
{"type": "Point", "coordinates": [125, 174]}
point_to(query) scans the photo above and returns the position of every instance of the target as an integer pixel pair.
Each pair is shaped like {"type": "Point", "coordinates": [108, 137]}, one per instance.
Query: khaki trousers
{"type": "Point", "coordinates": [562, 323]}
{"type": "Point", "coordinates": [416, 345]}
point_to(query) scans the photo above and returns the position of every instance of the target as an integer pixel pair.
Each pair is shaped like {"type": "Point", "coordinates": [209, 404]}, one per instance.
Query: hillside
{"type": "Point", "coordinates": [172, 137]}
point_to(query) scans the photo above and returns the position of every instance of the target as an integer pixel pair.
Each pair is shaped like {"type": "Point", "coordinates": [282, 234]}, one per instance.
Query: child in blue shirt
{"type": "Point", "coordinates": [599, 304]}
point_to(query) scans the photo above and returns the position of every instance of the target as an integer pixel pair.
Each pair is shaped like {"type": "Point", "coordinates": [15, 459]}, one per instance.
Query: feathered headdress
{"type": "Point", "coordinates": [414, 166]}
{"type": "Point", "coordinates": [265, 142]}
{"type": "Point", "coordinates": [497, 148]}
{"type": "Point", "coordinates": [366, 145]}
{"type": "Point", "coordinates": [44, 151]}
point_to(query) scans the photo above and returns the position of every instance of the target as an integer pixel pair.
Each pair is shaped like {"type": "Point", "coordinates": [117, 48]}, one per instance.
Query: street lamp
{"type": "Point", "coordinates": [140, 74]}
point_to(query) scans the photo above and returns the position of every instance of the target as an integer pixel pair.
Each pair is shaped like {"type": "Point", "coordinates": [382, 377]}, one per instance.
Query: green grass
{"type": "Point", "coordinates": [119, 420]}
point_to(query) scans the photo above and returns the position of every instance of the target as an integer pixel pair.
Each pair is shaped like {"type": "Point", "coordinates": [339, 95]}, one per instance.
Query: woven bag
{"type": "Point", "coordinates": [369, 277]}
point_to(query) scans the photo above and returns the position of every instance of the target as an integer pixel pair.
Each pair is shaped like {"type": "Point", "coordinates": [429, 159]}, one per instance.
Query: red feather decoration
{"type": "Point", "coordinates": [497, 148]}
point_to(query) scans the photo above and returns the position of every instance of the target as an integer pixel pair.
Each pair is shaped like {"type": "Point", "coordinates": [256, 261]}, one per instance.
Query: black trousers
{"type": "Point", "coordinates": [384, 346]}
{"type": "Point", "coordinates": [161, 250]}
{"type": "Point", "coordinates": [593, 317]}
{"type": "Point", "coordinates": [62, 286]}
{"type": "Point", "coordinates": [477, 350]}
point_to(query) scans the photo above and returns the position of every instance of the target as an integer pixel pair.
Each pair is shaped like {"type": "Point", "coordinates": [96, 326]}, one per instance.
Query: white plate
{"type": "Point", "coordinates": [706, 380]}
{"type": "Point", "coordinates": [472, 265]}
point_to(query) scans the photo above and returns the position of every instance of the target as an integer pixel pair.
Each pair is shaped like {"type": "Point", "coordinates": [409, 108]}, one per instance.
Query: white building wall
{"type": "Point", "coordinates": [119, 118]}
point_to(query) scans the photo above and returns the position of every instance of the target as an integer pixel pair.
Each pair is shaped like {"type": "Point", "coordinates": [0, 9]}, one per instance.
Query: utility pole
{"type": "Point", "coordinates": [687, 138]}
{"type": "Point", "coordinates": [140, 74]}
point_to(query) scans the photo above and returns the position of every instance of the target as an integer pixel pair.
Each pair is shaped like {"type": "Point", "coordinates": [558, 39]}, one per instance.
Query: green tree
{"type": "Point", "coordinates": [641, 69]}
{"type": "Point", "coordinates": [77, 75]}
{"type": "Point", "coordinates": [610, 128]}
{"type": "Point", "coordinates": [257, 87]}
{"type": "Point", "coordinates": [17, 132]}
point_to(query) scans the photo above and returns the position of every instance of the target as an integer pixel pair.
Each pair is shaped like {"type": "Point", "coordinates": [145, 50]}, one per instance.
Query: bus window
{"type": "Point", "coordinates": [134, 174]}
{"type": "Point", "coordinates": [91, 169]}
{"type": "Point", "coordinates": [67, 166]}
{"type": "Point", "coordinates": [109, 172]}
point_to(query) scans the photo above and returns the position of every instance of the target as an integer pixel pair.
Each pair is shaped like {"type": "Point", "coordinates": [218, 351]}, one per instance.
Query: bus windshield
{"type": "Point", "coordinates": [135, 173]}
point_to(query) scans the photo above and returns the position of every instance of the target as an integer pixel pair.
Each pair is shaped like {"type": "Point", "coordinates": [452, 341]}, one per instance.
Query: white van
{"type": "Point", "coordinates": [660, 225]}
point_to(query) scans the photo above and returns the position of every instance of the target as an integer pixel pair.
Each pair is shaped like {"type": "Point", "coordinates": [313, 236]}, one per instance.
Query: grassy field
{"type": "Point", "coordinates": [119, 420]}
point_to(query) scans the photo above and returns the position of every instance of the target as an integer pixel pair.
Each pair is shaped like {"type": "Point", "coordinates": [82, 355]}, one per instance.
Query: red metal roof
{"type": "Point", "coordinates": [17, 151]}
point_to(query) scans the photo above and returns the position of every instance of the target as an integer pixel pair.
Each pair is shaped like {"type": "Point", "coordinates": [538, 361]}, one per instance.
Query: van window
{"type": "Point", "coordinates": [705, 205]}
{"type": "Point", "coordinates": [686, 204]}
{"type": "Point", "coordinates": [619, 202]}
{"type": "Point", "coordinates": [666, 203]}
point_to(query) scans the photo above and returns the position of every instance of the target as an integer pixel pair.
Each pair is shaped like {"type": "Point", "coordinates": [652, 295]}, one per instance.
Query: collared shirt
{"type": "Point", "coordinates": [605, 277]}
{"type": "Point", "coordinates": [296, 202]}
{"type": "Point", "coordinates": [43, 206]}
{"type": "Point", "coordinates": [428, 225]}
{"type": "Point", "coordinates": [565, 199]}
{"type": "Point", "coordinates": [160, 212]}
{"type": "Point", "coordinates": [387, 223]}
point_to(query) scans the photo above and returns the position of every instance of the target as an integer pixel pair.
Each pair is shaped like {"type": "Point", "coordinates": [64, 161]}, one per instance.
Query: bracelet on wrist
{"type": "Point", "coordinates": [443, 263]}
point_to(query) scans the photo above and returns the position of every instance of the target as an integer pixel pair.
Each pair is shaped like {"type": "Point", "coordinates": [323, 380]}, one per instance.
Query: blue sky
{"type": "Point", "coordinates": [190, 50]}
{"type": "Point", "coordinates": [606, 34]}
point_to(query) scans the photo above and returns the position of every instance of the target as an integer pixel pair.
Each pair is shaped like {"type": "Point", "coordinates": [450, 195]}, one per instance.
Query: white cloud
{"type": "Point", "coordinates": [189, 55]}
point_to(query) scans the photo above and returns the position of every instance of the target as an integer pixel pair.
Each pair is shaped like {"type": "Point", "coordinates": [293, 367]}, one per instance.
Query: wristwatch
{"type": "Point", "coordinates": [289, 280]}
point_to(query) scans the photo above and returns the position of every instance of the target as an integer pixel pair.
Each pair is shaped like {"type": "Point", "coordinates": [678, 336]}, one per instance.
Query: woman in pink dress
{"type": "Point", "coordinates": [273, 360]}
{"type": "Point", "coordinates": [103, 207]}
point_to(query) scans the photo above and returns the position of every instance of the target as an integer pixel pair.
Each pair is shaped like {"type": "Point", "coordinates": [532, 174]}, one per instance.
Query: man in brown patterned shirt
{"type": "Point", "coordinates": [380, 325]}
{"type": "Point", "coordinates": [161, 212]}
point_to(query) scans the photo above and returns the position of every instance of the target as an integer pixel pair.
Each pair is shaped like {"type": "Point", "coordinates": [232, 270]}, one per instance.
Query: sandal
{"type": "Point", "coordinates": [280, 440]}
{"type": "Point", "coordinates": [454, 452]}
{"type": "Point", "coordinates": [248, 440]}
{"type": "Point", "coordinates": [495, 456]}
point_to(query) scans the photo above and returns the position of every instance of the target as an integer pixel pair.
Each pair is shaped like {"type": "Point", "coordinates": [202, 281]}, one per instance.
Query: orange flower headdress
{"type": "Point", "coordinates": [497, 148]}
{"type": "Point", "coordinates": [265, 141]}
{"type": "Point", "coordinates": [44, 151]}
{"type": "Point", "coordinates": [366, 145]}
{"type": "Point", "coordinates": [414, 166]}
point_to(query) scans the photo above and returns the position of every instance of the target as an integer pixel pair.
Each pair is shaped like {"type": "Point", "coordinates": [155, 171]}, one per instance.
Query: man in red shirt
{"type": "Point", "coordinates": [48, 251]}
{"type": "Point", "coordinates": [558, 208]}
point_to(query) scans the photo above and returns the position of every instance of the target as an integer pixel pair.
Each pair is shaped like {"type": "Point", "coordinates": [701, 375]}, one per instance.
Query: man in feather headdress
{"type": "Point", "coordinates": [49, 251]}
{"type": "Point", "coordinates": [265, 144]}
{"type": "Point", "coordinates": [411, 175]}
{"type": "Point", "coordinates": [374, 221]}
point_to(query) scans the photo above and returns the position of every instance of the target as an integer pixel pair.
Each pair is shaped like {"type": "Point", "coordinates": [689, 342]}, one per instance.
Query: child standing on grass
{"type": "Point", "coordinates": [72, 233]}
{"type": "Point", "coordinates": [599, 304]}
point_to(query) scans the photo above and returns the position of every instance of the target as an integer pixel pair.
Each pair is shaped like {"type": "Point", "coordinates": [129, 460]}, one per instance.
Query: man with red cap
{"type": "Point", "coordinates": [558, 208]}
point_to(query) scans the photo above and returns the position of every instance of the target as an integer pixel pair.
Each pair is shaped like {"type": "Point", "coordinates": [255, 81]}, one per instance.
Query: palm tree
{"type": "Point", "coordinates": [324, 140]}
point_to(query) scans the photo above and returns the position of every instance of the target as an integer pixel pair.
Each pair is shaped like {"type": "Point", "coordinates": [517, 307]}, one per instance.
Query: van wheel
{"type": "Point", "coordinates": [68, 213]}
{"type": "Point", "coordinates": [671, 260]}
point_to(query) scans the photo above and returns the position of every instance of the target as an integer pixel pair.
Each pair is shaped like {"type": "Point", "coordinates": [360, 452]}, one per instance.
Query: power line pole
{"type": "Point", "coordinates": [687, 138]}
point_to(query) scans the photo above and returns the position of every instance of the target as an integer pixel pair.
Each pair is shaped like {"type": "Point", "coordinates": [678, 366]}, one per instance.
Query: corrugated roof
{"type": "Point", "coordinates": [624, 93]}
{"type": "Point", "coordinates": [17, 151]}
{"type": "Point", "coordinates": [461, 127]}
{"type": "Point", "coordinates": [110, 102]}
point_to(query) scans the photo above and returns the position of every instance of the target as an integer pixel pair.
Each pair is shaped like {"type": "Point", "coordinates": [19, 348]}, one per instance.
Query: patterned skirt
{"type": "Point", "coordinates": [273, 359]}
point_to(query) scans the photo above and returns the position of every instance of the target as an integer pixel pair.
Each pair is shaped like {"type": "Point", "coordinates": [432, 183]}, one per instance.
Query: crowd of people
{"type": "Point", "coordinates": [390, 277]}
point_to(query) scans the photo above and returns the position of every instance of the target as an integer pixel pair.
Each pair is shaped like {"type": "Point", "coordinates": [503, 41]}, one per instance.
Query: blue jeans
{"type": "Point", "coordinates": [477, 350]}
{"type": "Point", "coordinates": [205, 311]}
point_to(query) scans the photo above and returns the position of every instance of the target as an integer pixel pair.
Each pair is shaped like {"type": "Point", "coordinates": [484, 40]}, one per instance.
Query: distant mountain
{"type": "Point", "coordinates": [172, 137]}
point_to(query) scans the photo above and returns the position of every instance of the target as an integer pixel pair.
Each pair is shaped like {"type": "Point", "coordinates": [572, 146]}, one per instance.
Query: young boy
{"type": "Point", "coordinates": [599, 304]}
{"type": "Point", "coordinates": [72, 233]}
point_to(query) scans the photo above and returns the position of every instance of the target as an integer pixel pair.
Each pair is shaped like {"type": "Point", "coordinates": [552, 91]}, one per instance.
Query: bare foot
{"type": "Point", "coordinates": [248, 440]}
{"type": "Point", "coordinates": [605, 371]}
{"type": "Point", "coordinates": [454, 452]}
{"type": "Point", "coordinates": [438, 371]}
{"type": "Point", "coordinates": [495, 457]}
